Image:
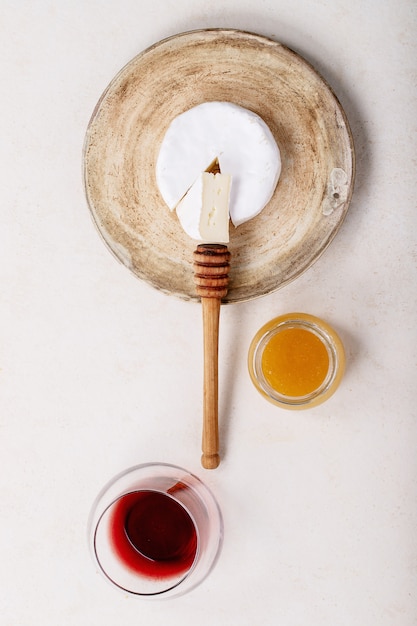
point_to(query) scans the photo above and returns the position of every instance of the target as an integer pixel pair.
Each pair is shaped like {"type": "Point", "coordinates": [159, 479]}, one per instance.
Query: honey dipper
{"type": "Point", "coordinates": [211, 276]}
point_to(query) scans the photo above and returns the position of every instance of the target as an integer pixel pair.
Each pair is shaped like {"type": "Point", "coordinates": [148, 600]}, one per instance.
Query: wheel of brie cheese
{"type": "Point", "coordinates": [246, 152]}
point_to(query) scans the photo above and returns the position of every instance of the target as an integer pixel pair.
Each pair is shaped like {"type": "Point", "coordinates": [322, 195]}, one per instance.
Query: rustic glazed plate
{"type": "Point", "coordinates": [309, 125]}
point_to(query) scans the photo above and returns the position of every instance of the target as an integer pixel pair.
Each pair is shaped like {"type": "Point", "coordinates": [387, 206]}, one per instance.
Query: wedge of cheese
{"type": "Point", "coordinates": [204, 210]}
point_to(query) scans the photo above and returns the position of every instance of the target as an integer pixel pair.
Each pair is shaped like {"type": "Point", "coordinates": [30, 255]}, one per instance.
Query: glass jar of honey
{"type": "Point", "coordinates": [296, 361]}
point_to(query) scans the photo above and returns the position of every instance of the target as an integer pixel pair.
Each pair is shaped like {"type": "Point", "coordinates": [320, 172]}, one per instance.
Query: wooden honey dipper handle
{"type": "Point", "coordinates": [211, 276]}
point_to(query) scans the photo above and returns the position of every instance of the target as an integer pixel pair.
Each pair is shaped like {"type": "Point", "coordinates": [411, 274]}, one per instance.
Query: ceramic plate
{"type": "Point", "coordinates": [309, 125]}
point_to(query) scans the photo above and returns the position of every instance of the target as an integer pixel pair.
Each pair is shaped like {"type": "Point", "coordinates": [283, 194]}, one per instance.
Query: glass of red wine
{"type": "Point", "coordinates": [155, 530]}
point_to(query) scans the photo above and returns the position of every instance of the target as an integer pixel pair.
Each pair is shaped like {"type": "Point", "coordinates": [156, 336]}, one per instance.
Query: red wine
{"type": "Point", "coordinates": [152, 534]}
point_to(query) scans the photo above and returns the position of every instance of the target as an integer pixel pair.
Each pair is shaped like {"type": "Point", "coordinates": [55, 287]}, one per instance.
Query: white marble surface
{"type": "Point", "coordinates": [99, 372]}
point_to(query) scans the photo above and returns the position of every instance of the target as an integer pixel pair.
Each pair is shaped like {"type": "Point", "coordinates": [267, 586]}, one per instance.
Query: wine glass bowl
{"type": "Point", "coordinates": [155, 530]}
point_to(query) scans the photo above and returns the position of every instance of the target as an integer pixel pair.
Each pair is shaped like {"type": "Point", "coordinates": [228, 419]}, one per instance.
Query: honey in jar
{"type": "Point", "coordinates": [296, 360]}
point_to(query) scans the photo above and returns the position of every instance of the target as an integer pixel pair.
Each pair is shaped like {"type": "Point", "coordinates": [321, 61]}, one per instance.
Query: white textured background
{"type": "Point", "coordinates": [99, 372]}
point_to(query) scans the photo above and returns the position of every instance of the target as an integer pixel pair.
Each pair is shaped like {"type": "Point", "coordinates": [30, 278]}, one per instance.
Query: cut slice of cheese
{"type": "Point", "coordinates": [243, 144]}
{"type": "Point", "coordinates": [204, 210]}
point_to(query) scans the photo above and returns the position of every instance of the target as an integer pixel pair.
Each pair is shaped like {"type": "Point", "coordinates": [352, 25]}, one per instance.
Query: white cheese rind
{"type": "Point", "coordinates": [204, 210]}
{"type": "Point", "coordinates": [243, 144]}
